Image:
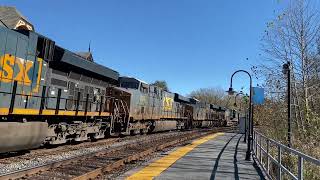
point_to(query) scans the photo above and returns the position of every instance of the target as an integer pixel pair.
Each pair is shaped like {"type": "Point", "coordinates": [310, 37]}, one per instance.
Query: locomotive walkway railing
{"type": "Point", "coordinates": [80, 104]}
{"type": "Point", "coordinates": [267, 151]}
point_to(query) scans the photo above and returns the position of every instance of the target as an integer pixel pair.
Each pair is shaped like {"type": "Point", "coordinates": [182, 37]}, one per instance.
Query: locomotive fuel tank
{"type": "Point", "coordinates": [17, 136]}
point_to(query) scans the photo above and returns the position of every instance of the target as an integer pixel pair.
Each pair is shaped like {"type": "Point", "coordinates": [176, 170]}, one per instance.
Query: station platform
{"type": "Point", "coordinates": [217, 156]}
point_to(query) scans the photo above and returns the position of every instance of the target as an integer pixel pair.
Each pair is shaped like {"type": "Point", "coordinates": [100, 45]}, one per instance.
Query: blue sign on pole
{"type": "Point", "coordinates": [258, 95]}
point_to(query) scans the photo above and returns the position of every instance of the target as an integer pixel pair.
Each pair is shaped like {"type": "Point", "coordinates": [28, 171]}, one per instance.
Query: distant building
{"type": "Point", "coordinates": [11, 18]}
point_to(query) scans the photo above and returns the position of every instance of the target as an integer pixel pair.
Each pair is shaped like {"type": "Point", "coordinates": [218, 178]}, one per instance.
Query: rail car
{"type": "Point", "coordinates": [49, 95]}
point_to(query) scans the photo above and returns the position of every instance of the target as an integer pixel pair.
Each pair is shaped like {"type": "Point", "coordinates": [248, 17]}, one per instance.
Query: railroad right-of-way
{"type": "Point", "coordinates": [88, 161]}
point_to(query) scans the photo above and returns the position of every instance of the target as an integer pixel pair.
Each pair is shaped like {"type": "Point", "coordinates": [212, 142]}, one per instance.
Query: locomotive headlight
{"type": "Point", "coordinates": [53, 93]}
{"type": "Point", "coordinates": [65, 90]}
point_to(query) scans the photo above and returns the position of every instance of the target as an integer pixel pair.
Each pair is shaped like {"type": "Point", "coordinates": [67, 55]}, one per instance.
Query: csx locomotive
{"type": "Point", "coordinates": [49, 95]}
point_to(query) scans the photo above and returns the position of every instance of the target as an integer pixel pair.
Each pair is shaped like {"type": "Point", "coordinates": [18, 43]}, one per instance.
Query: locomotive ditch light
{"type": "Point", "coordinates": [231, 91]}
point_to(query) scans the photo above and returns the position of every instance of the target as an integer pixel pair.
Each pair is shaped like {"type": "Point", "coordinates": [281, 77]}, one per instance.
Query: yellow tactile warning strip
{"type": "Point", "coordinates": [154, 169]}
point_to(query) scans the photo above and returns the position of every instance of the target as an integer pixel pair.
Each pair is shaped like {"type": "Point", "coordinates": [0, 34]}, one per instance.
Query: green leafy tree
{"type": "Point", "coordinates": [161, 84]}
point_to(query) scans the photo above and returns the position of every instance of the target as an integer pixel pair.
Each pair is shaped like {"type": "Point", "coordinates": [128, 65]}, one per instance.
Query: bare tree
{"type": "Point", "coordinates": [294, 37]}
{"type": "Point", "coordinates": [215, 96]}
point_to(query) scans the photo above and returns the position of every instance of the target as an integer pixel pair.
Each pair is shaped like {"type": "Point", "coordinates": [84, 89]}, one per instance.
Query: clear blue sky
{"type": "Point", "coordinates": [189, 43]}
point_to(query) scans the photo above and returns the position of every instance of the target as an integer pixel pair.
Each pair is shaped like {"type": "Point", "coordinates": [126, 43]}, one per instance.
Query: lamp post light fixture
{"type": "Point", "coordinates": [231, 91]}
{"type": "Point", "coordinates": [286, 71]}
{"type": "Point", "coordinates": [250, 126]}
{"type": "Point", "coordinates": [235, 98]}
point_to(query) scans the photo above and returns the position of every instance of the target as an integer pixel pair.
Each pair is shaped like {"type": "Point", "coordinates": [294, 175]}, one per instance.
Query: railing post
{"type": "Point", "coordinates": [86, 105]}
{"type": "Point", "coordinates": [101, 104]}
{"type": "Point", "coordinates": [279, 164]}
{"type": "Point", "coordinates": [13, 96]}
{"type": "Point", "coordinates": [256, 144]}
{"type": "Point", "coordinates": [58, 102]}
{"type": "Point", "coordinates": [26, 103]}
{"type": "Point", "coordinates": [300, 168]}
{"type": "Point", "coordinates": [43, 98]}
{"type": "Point", "coordinates": [260, 149]}
{"type": "Point", "coordinates": [268, 161]}
{"type": "Point", "coordinates": [253, 140]}
{"type": "Point", "coordinates": [78, 102]}
{"type": "Point", "coordinates": [245, 127]}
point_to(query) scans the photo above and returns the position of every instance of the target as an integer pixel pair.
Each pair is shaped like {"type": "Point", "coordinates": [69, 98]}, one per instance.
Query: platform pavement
{"type": "Point", "coordinates": [221, 157]}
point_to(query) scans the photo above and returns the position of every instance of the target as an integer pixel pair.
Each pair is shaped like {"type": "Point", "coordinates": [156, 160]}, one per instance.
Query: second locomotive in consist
{"type": "Point", "coordinates": [49, 95]}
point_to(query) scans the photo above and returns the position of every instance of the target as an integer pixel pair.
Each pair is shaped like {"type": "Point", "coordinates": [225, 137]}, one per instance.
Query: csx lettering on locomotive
{"type": "Point", "coordinates": [9, 63]}
{"type": "Point", "coordinates": [167, 103]}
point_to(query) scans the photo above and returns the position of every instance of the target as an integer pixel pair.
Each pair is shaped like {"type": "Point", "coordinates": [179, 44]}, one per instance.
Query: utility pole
{"type": "Point", "coordinates": [287, 71]}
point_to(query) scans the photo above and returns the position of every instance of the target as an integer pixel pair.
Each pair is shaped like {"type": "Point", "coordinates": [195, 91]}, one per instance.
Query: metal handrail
{"type": "Point", "coordinates": [259, 152]}
{"type": "Point", "coordinates": [13, 92]}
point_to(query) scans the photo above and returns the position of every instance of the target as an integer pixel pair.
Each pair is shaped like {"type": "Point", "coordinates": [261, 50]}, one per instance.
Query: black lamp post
{"type": "Point", "coordinates": [286, 71]}
{"type": "Point", "coordinates": [235, 103]}
{"type": "Point", "coordinates": [250, 127]}
{"type": "Point", "coordinates": [246, 117]}
{"type": "Point", "coordinates": [245, 121]}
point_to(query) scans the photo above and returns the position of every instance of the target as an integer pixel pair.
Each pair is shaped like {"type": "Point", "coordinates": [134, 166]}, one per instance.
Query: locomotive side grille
{"type": "Point", "coordinates": [91, 93]}
{"type": "Point", "coordinates": [59, 82]}
{"type": "Point", "coordinates": [70, 103]}
{"type": "Point", "coordinates": [95, 81]}
{"type": "Point", "coordinates": [86, 89]}
{"type": "Point", "coordinates": [104, 84]}
{"type": "Point", "coordinates": [86, 79]}
{"type": "Point", "coordinates": [74, 76]}
{"type": "Point", "coordinates": [82, 97]}
{"type": "Point", "coordinates": [54, 71]}
{"type": "Point", "coordinates": [72, 85]}
{"type": "Point", "coordinates": [71, 88]}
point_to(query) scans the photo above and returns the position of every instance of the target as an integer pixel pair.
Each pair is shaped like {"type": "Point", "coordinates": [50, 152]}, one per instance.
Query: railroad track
{"type": "Point", "coordinates": [104, 159]}
{"type": "Point", "coordinates": [53, 150]}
